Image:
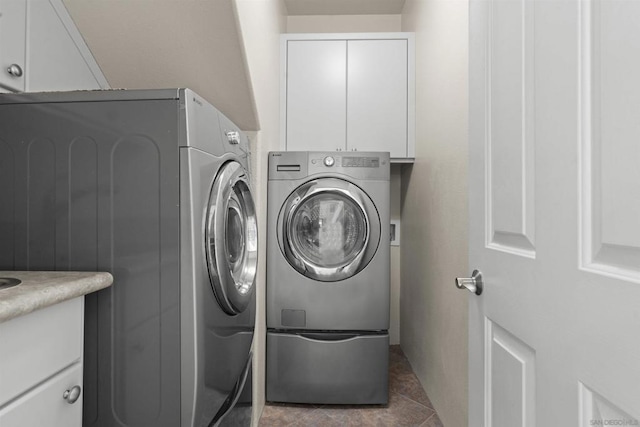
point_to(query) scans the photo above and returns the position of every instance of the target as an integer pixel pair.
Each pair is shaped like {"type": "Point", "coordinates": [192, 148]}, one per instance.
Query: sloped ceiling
{"type": "Point", "coordinates": [151, 44]}
{"type": "Point", "coordinates": [148, 44]}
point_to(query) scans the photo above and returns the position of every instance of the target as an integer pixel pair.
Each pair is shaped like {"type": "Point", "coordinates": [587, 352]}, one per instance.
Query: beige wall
{"type": "Point", "coordinates": [151, 44]}
{"type": "Point", "coordinates": [261, 23]}
{"type": "Point", "coordinates": [366, 24]}
{"type": "Point", "coordinates": [433, 320]}
{"type": "Point", "coordinates": [343, 23]}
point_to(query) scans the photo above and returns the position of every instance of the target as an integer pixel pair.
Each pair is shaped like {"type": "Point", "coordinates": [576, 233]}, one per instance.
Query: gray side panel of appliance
{"type": "Point", "coordinates": [94, 186]}
{"type": "Point", "coordinates": [202, 126]}
{"type": "Point", "coordinates": [303, 369]}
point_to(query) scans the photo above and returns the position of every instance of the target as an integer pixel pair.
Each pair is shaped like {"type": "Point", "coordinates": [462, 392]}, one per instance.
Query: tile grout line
{"type": "Point", "coordinates": [418, 403]}
{"type": "Point", "coordinates": [415, 401]}
{"type": "Point", "coordinates": [435, 414]}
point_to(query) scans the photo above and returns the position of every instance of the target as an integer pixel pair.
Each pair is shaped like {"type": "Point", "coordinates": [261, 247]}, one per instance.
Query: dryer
{"type": "Point", "coordinates": [154, 187]}
{"type": "Point", "coordinates": [328, 277]}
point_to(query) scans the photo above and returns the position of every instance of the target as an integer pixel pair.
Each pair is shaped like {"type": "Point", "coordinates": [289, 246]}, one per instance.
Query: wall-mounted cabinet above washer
{"type": "Point", "coordinates": [349, 92]}
{"type": "Point", "coordinates": [42, 50]}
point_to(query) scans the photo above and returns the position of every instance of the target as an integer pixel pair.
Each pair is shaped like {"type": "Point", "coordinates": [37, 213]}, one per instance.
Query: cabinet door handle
{"type": "Point", "coordinates": [14, 70]}
{"type": "Point", "coordinates": [72, 395]}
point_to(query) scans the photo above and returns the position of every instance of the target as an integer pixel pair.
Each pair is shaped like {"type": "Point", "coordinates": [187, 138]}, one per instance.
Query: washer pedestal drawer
{"type": "Point", "coordinates": [327, 368]}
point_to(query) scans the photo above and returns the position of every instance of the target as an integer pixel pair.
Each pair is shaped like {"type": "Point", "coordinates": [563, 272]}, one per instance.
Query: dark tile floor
{"type": "Point", "coordinates": [408, 405]}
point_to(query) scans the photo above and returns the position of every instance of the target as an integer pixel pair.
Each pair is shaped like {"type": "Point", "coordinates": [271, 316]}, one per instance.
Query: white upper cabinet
{"type": "Point", "coordinates": [13, 16]}
{"type": "Point", "coordinates": [42, 50]}
{"type": "Point", "coordinates": [348, 92]}
{"type": "Point", "coordinates": [316, 95]}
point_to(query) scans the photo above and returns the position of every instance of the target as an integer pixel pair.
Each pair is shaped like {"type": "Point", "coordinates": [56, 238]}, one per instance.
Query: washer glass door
{"type": "Point", "coordinates": [231, 238]}
{"type": "Point", "coordinates": [327, 229]}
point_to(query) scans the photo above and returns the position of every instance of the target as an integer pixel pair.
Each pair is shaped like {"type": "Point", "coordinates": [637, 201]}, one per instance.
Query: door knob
{"type": "Point", "coordinates": [472, 284]}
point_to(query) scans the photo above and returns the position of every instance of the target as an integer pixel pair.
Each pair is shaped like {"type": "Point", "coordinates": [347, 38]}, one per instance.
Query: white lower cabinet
{"type": "Point", "coordinates": [41, 367]}
{"type": "Point", "coordinates": [56, 402]}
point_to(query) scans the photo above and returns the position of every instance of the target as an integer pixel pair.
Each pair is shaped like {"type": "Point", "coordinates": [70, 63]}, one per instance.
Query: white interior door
{"type": "Point", "coordinates": [555, 212]}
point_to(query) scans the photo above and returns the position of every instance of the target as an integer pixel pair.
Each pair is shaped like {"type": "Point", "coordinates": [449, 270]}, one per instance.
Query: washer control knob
{"type": "Point", "coordinates": [329, 161]}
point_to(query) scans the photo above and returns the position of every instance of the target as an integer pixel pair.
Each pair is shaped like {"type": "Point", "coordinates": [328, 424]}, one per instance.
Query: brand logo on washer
{"type": "Point", "coordinates": [197, 101]}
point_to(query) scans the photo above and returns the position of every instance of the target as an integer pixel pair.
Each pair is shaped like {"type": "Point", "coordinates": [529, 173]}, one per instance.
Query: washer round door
{"type": "Point", "coordinates": [231, 238]}
{"type": "Point", "coordinates": [330, 229]}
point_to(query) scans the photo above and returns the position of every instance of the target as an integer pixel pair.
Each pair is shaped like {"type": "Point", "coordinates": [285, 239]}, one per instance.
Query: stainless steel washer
{"type": "Point", "coordinates": [328, 277]}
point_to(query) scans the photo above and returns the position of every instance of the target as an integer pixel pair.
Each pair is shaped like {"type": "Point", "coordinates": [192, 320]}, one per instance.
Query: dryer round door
{"type": "Point", "coordinates": [231, 238]}
{"type": "Point", "coordinates": [330, 229]}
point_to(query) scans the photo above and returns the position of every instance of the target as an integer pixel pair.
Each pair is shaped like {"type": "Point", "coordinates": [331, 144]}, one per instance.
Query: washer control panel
{"type": "Point", "coordinates": [360, 162]}
{"type": "Point", "coordinates": [331, 161]}
{"type": "Point", "coordinates": [371, 165]}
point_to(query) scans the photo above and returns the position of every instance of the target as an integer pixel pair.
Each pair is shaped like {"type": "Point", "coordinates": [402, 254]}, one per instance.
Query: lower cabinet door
{"type": "Point", "coordinates": [56, 402]}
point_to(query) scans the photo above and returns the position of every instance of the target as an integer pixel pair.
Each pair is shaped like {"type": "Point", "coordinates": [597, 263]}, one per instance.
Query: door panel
{"type": "Point", "coordinates": [609, 148]}
{"type": "Point", "coordinates": [510, 143]}
{"type": "Point", "coordinates": [597, 410]}
{"type": "Point", "coordinates": [554, 223]}
{"type": "Point", "coordinates": [511, 375]}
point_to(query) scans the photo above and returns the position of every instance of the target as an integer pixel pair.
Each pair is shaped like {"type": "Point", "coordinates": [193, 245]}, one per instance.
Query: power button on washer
{"type": "Point", "coordinates": [329, 161]}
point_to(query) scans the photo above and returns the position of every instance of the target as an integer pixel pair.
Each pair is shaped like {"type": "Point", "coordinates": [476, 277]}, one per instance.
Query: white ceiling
{"type": "Point", "coordinates": [151, 44]}
{"type": "Point", "coordinates": [344, 7]}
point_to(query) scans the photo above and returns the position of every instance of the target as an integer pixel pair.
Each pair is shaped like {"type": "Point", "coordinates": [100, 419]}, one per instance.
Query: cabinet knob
{"type": "Point", "coordinates": [72, 395]}
{"type": "Point", "coordinates": [14, 70]}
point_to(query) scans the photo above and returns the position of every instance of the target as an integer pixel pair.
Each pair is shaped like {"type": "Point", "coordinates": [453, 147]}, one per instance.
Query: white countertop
{"type": "Point", "coordinates": [41, 289]}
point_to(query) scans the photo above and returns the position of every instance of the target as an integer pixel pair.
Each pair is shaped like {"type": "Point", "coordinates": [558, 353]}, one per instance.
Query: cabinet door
{"type": "Point", "coordinates": [12, 42]}
{"type": "Point", "coordinates": [58, 58]}
{"type": "Point", "coordinates": [316, 95]}
{"type": "Point", "coordinates": [39, 344]}
{"type": "Point", "coordinates": [46, 405]}
{"type": "Point", "coordinates": [377, 96]}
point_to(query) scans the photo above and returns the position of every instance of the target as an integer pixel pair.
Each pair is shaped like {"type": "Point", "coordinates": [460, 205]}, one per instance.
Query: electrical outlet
{"type": "Point", "coordinates": [394, 232]}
